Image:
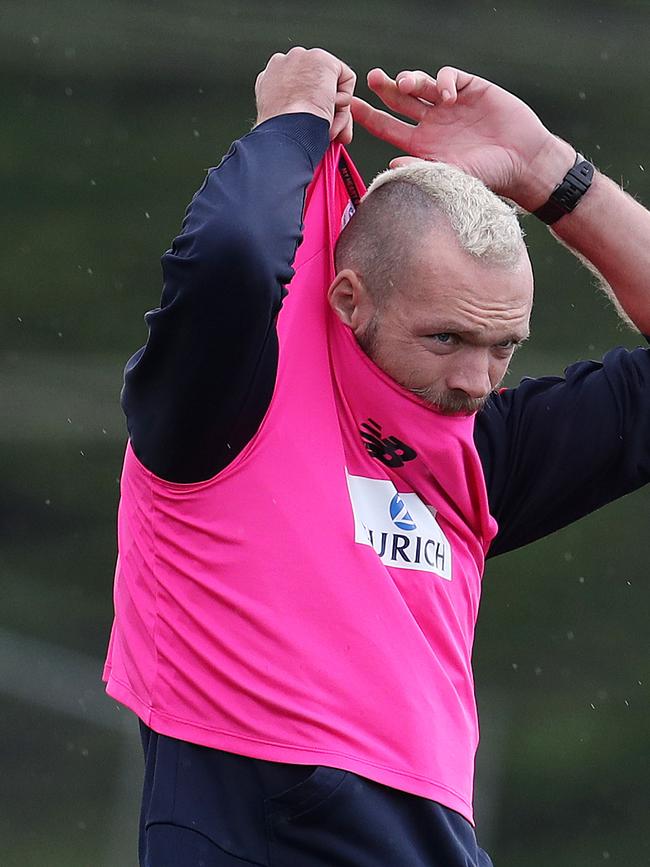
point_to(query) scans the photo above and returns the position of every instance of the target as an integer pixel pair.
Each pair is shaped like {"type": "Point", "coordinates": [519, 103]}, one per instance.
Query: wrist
{"type": "Point", "coordinates": [544, 173]}
{"type": "Point", "coordinates": [302, 107]}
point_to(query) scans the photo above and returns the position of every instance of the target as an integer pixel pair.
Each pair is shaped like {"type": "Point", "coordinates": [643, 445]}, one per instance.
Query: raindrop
{"type": "Point", "coordinates": [89, 271]}
{"type": "Point", "coordinates": [82, 453]}
{"type": "Point", "coordinates": [20, 319]}
{"type": "Point", "coordinates": [196, 133]}
{"type": "Point", "coordinates": [35, 40]}
{"type": "Point", "coordinates": [592, 705]}
{"type": "Point", "coordinates": [48, 502]}
{"type": "Point", "coordinates": [538, 670]}
{"type": "Point", "coordinates": [641, 167]}
{"type": "Point", "coordinates": [581, 579]}
{"type": "Point", "coordinates": [570, 635]}
{"type": "Point", "coordinates": [68, 91]}
{"type": "Point", "coordinates": [147, 215]}
{"type": "Point", "coordinates": [93, 182]}
{"type": "Point", "coordinates": [514, 666]}
{"type": "Point", "coordinates": [582, 94]}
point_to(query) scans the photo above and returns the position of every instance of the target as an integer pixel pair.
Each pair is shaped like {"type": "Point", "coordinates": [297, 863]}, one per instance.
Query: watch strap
{"type": "Point", "coordinates": [567, 194]}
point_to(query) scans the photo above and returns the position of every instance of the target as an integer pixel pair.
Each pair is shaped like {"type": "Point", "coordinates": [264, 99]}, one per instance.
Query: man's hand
{"type": "Point", "coordinates": [310, 80]}
{"type": "Point", "coordinates": [479, 127]}
{"type": "Point", "coordinates": [488, 132]}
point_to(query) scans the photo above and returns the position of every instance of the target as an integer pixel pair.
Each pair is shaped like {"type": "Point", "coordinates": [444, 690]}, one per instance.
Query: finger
{"type": "Point", "coordinates": [389, 93]}
{"type": "Point", "coordinates": [382, 124]}
{"type": "Point", "coordinates": [419, 84]}
{"type": "Point", "coordinates": [451, 81]}
{"type": "Point", "coordinates": [349, 130]}
{"type": "Point", "coordinates": [347, 79]}
{"type": "Point", "coordinates": [375, 77]}
{"type": "Point", "coordinates": [403, 161]}
{"type": "Point", "coordinates": [273, 59]}
{"type": "Point", "coordinates": [341, 128]}
{"type": "Point", "coordinates": [341, 121]}
{"type": "Point", "coordinates": [345, 136]}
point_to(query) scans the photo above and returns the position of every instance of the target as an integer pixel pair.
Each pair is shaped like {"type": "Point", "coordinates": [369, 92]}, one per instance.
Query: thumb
{"type": "Point", "coordinates": [404, 161]}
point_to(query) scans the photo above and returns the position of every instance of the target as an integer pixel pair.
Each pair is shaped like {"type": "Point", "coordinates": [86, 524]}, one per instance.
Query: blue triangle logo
{"type": "Point", "coordinates": [400, 515]}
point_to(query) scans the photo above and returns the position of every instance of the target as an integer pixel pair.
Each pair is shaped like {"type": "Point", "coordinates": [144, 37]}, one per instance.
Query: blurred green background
{"type": "Point", "coordinates": [112, 111]}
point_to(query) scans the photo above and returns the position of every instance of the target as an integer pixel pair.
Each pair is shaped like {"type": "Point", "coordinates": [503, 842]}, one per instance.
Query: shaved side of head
{"type": "Point", "coordinates": [383, 235]}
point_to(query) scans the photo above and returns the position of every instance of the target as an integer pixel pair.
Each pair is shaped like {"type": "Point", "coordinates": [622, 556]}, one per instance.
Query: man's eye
{"type": "Point", "coordinates": [443, 337]}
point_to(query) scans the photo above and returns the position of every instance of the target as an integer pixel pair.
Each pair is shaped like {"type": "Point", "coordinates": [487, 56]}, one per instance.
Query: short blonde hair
{"type": "Point", "coordinates": [485, 225]}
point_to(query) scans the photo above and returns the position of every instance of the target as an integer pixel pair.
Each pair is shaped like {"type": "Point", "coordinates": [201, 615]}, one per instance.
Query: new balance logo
{"type": "Point", "coordinates": [392, 452]}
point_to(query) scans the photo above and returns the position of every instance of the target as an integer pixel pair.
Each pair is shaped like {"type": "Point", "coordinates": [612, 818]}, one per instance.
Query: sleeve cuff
{"type": "Point", "coordinates": [308, 130]}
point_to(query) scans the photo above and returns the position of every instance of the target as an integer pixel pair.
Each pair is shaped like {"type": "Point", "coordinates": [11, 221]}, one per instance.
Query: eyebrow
{"type": "Point", "coordinates": [451, 328]}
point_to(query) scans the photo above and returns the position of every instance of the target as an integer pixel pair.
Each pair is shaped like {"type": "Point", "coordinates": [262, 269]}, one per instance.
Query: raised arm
{"type": "Point", "coordinates": [476, 125]}
{"type": "Point", "coordinates": [196, 393]}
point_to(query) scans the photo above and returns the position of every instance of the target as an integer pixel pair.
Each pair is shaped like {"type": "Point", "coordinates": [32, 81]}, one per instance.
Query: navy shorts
{"type": "Point", "coordinates": [207, 808]}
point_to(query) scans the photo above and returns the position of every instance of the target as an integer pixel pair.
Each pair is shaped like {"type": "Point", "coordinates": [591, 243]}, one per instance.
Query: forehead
{"type": "Point", "coordinates": [443, 285]}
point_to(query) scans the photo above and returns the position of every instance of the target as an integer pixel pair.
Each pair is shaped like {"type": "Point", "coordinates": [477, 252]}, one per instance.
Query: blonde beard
{"type": "Point", "coordinates": [452, 402]}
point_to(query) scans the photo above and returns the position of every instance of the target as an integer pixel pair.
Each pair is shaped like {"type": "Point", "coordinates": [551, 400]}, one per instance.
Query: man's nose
{"type": "Point", "coordinates": [471, 374]}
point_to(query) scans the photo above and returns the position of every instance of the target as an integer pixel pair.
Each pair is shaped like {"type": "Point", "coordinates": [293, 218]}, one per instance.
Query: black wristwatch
{"type": "Point", "coordinates": [566, 195]}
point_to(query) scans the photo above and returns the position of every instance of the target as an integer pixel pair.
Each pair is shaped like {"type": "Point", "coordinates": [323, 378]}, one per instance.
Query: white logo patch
{"type": "Point", "coordinates": [400, 528]}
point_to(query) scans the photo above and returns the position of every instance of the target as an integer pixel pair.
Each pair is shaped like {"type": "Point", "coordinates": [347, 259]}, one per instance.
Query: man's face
{"type": "Point", "coordinates": [449, 333]}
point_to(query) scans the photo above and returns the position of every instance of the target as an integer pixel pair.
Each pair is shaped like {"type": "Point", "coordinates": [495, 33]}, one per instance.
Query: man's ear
{"type": "Point", "coordinates": [350, 300]}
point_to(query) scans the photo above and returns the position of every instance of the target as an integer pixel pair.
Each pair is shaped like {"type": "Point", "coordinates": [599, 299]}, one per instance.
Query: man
{"type": "Point", "coordinates": [312, 481]}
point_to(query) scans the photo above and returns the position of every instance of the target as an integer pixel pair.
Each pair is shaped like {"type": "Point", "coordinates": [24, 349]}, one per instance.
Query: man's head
{"type": "Point", "coordinates": [434, 280]}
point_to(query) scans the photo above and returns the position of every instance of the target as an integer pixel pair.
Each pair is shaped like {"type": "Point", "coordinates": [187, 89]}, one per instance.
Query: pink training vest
{"type": "Point", "coordinates": [315, 602]}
